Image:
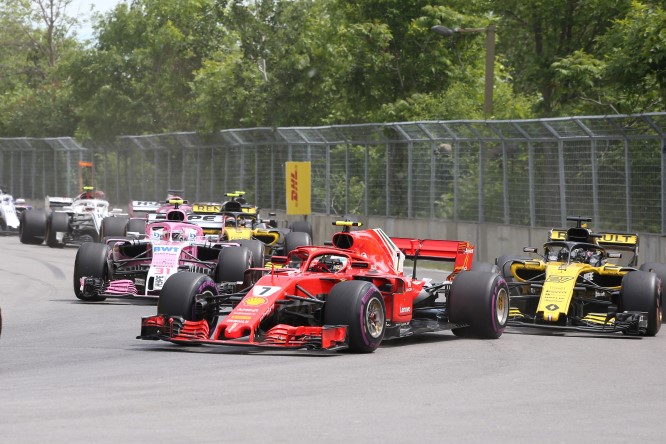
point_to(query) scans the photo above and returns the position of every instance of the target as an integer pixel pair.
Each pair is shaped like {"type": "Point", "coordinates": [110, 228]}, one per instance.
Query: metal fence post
{"type": "Point", "coordinates": [627, 184]}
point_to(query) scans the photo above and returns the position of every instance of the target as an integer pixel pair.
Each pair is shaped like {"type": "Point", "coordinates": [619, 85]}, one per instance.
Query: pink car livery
{"type": "Point", "coordinates": [138, 268]}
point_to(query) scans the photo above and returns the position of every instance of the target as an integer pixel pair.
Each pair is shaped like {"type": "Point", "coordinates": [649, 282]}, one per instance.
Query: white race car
{"type": "Point", "coordinates": [68, 221]}
{"type": "Point", "coordinates": [10, 211]}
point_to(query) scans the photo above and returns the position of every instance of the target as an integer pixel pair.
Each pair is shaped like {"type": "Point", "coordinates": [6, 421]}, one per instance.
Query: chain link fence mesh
{"type": "Point", "coordinates": [522, 172]}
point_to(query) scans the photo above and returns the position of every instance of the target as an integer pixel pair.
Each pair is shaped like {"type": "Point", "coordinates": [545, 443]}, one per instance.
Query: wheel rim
{"type": "Point", "coordinates": [502, 306]}
{"type": "Point", "coordinates": [374, 318]}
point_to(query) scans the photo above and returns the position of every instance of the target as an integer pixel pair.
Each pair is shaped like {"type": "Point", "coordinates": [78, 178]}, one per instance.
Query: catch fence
{"type": "Point", "coordinates": [523, 172]}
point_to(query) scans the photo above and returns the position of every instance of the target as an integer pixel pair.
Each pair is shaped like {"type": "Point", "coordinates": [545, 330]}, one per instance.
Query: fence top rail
{"type": "Point", "coordinates": [616, 127]}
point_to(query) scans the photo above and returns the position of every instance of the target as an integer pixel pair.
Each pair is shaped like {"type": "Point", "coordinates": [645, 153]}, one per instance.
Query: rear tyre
{"type": "Point", "coordinates": [178, 295]}
{"type": "Point", "coordinates": [58, 222]}
{"type": "Point", "coordinates": [256, 247]}
{"type": "Point", "coordinates": [296, 239]}
{"type": "Point", "coordinates": [33, 227]}
{"type": "Point", "coordinates": [360, 306]}
{"type": "Point", "coordinates": [90, 262]}
{"type": "Point", "coordinates": [136, 226]}
{"type": "Point", "coordinates": [640, 291]}
{"type": "Point", "coordinates": [113, 227]}
{"type": "Point", "coordinates": [504, 263]}
{"type": "Point", "coordinates": [302, 226]}
{"type": "Point", "coordinates": [485, 266]}
{"type": "Point", "coordinates": [232, 263]}
{"type": "Point", "coordinates": [660, 270]}
{"type": "Point", "coordinates": [480, 299]}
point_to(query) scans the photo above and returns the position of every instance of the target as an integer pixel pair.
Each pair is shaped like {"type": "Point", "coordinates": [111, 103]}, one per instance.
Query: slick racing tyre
{"type": "Point", "coordinates": [113, 227]}
{"type": "Point", "coordinates": [90, 262]}
{"type": "Point", "coordinates": [302, 226]}
{"type": "Point", "coordinates": [640, 292]}
{"type": "Point", "coordinates": [660, 270]}
{"type": "Point", "coordinates": [136, 226]}
{"type": "Point", "coordinates": [33, 227]}
{"type": "Point", "coordinates": [480, 299]}
{"type": "Point", "coordinates": [504, 263]}
{"type": "Point", "coordinates": [232, 263]}
{"type": "Point", "coordinates": [360, 306]}
{"type": "Point", "coordinates": [58, 222]}
{"type": "Point", "coordinates": [485, 266]}
{"type": "Point", "coordinates": [296, 239]}
{"type": "Point", "coordinates": [178, 295]}
{"type": "Point", "coordinates": [257, 249]}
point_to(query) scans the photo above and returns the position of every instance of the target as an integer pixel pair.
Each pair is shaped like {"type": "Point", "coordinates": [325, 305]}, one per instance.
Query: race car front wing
{"type": "Point", "coordinates": [627, 322]}
{"type": "Point", "coordinates": [177, 330]}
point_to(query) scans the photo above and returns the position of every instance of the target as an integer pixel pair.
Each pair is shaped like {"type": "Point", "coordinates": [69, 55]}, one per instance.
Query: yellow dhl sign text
{"type": "Point", "coordinates": [298, 185]}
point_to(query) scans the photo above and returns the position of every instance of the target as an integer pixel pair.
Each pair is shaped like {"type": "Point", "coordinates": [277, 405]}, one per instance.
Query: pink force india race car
{"type": "Point", "coordinates": [124, 267]}
{"type": "Point", "coordinates": [350, 295]}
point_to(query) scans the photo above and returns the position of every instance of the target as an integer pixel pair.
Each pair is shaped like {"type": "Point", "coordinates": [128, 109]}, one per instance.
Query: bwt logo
{"type": "Point", "coordinates": [294, 185]}
{"type": "Point", "coordinates": [158, 249]}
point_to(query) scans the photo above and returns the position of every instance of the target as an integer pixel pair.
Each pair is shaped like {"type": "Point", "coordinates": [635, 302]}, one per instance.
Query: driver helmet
{"type": "Point", "coordinates": [563, 255]}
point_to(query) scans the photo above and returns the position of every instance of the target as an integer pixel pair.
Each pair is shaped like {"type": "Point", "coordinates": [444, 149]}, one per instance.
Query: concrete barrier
{"type": "Point", "coordinates": [491, 240]}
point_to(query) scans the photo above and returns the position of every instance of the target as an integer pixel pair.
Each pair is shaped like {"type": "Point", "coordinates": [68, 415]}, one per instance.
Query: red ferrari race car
{"type": "Point", "coordinates": [352, 295]}
{"type": "Point", "coordinates": [133, 268]}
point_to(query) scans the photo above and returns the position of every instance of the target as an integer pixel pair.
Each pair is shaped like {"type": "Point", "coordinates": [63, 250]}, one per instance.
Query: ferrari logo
{"type": "Point", "coordinates": [552, 307]}
{"type": "Point", "coordinates": [559, 279]}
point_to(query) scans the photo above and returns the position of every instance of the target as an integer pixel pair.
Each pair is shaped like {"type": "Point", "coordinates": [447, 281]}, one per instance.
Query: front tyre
{"type": "Point", "coordinates": [360, 306]}
{"type": "Point", "coordinates": [640, 291]}
{"type": "Point", "coordinates": [113, 226]}
{"type": "Point", "coordinates": [178, 295]}
{"type": "Point", "coordinates": [481, 300]}
{"type": "Point", "coordinates": [660, 270]}
{"type": "Point", "coordinates": [90, 262]}
{"type": "Point", "coordinates": [58, 222]}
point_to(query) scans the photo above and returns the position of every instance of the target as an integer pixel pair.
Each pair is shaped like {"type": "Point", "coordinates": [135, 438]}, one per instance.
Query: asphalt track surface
{"type": "Point", "coordinates": [73, 372]}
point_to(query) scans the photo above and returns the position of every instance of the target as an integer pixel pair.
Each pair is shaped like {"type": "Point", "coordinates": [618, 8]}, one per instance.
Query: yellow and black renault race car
{"type": "Point", "coordinates": [239, 221]}
{"type": "Point", "coordinates": [575, 286]}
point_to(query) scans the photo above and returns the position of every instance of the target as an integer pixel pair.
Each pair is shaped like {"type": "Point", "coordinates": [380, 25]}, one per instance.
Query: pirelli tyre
{"type": "Point", "coordinates": [302, 226]}
{"type": "Point", "coordinates": [58, 222]}
{"type": "Point", "coordinates": [360, 306]}
{"type": "Point", "coordinates": [485, 266]}
{"type": "Point", "coordinates": [232, 263]}
{"type": "Point", "coordinates": [256, 247]}
{"type": "Point", "coordinates": [660, 270]}
{"type": "Point", "coordinates": [296, 239]}
{"type": "Point", "coordinates": [90, 261]}
{"type": "Point", "coordinates": [113, 227]}
{"type": "Point", "coordinates": [33, 227]}
{"type": "Point", "coordinates": [136, 226]}
{"type": "Point", "coordinates": [504, 263]}
{"type": "Point", "coordinates": [480, 300]}
{"type": "Point", "coordinates": [640, 292]}
{"type": "Point", "coordinates": [178, 296]}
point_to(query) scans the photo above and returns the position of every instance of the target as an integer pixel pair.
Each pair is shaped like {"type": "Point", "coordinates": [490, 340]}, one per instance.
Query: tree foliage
{"type": "Point", "coordinates": [181, 65]}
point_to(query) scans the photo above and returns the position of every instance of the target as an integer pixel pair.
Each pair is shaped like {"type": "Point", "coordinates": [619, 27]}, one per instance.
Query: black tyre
{"type": "Point", "coordinates": [485, 266]}
{"type": "Point", "coordinates": [33, 227]}
{"type": "Point", "coordinates": [640, 291]}
{"type": "Point", "coordinates": [178, 295]}
{"type": "Point", "coordinates": [113, 227]}
{"type": "Point", "coordinates": [232, 263]}
{"type": "Point", "coordinates": [480, 299]}
{"type": "Point", "coordinates": [296, 239]}
{"type": "Point", "coordinates": [256, 247]}
{"type": "Point", "coordinates": [360, 306]}
{"type": "Point", "coordinates": [136, 226]}
{"type": "Point", "coordinates": [504, 266]}
{"type": "Point", "coordinates": [302, 226]}
{"type": "Point", "coordinates": [58, 222]}
{"type": "Point", "coordinates": [90, 262]}
{"type": "Point", "coordinates": [660, 270]}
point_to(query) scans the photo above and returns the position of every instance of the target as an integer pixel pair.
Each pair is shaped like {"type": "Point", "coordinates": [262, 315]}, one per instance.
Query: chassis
{"type": "Point", "coordinates": [352, 295]}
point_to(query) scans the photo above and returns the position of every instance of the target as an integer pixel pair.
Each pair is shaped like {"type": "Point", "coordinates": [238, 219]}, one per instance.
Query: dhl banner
{"type": "Point", "coordinates": [298, 187]}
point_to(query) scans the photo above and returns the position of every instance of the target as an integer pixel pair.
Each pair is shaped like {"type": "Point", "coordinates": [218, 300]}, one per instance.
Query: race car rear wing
{"type": "Point", "coordinates": [461, 253]}
{"type": "Point", "coordinates": [57, 202]}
